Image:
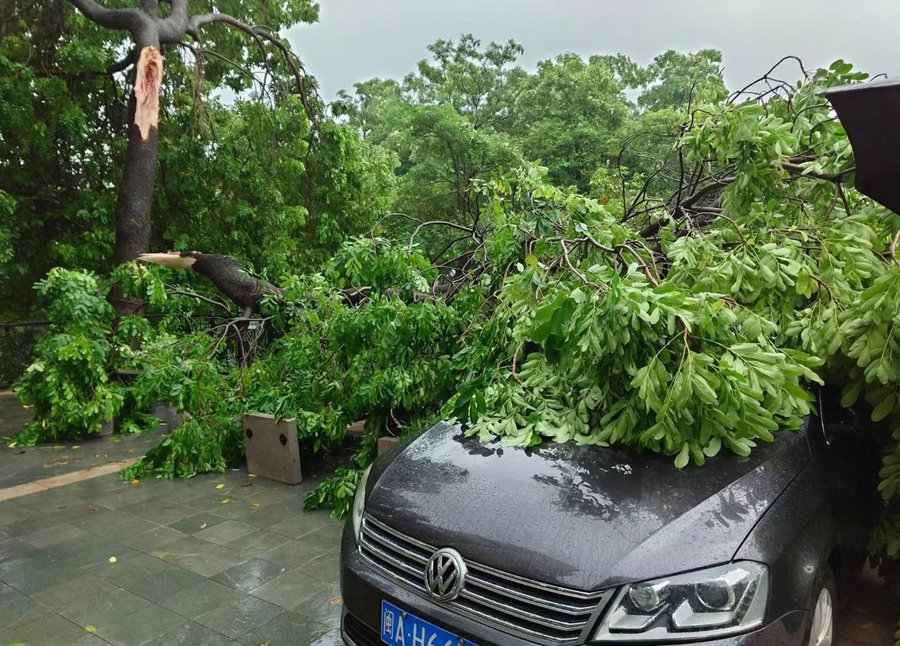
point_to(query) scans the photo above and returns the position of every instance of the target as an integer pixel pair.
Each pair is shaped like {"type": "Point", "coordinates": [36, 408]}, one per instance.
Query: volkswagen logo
{"type": "Point", "coordinates": [445, 574]}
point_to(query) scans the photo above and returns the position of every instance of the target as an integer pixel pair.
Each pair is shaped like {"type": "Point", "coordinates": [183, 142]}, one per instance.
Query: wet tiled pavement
{"type": "Point", "coordinates": [188, 567]}
{"type": "Point", "coordinates": [217, 559]}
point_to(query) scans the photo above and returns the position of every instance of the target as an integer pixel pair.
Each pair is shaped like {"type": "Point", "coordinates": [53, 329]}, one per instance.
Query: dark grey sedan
{"type": "Point", "coordinates": [454, 543]}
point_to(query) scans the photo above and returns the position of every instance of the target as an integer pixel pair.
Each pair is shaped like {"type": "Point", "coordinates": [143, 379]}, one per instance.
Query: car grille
{"type": "Point", "coordinates": [511, 603]}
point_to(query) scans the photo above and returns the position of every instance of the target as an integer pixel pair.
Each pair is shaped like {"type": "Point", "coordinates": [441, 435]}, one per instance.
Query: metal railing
{"type": "Point", "coordinates": [16, 343]}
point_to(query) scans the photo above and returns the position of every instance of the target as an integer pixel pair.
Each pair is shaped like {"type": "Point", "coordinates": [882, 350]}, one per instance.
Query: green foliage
{"type": "Point", "coordinates": [337, 492]}
{"type": "Point", "coordinates": [566, 103]}
{"type": "Point", "coordinates": [71, 381]}
{"type": "Point", "coordinates": [179, 372]}
{"type": "Point", "coordinates": [237, 177]}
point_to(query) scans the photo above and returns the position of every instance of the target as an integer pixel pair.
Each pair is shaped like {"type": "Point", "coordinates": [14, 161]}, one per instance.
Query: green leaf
{"type": "Point", "coordinates": [683, 456]}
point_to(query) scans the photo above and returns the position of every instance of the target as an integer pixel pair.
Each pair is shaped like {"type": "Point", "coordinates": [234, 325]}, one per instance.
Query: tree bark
{"type": "Point", "coordinates": [135, 198]}
{"type": "Point", "coordinates": [225, 273]}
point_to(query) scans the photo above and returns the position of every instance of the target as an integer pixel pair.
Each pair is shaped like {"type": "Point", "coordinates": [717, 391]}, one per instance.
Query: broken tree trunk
{"type": "Point", "coordinates": [139, 170]}
{"type": "Point", "coordinates": [225, 273]}
{"type": "Point", "coordinates": [230, 278]}
{"type": "Point", "coordinates": [135, 199]}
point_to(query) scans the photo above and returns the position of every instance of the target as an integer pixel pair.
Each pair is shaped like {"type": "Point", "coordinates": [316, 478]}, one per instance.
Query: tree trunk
{"type": "Point", "coordinates": [227, 274]}
{"type": "Point", "coordinates": [135, 199]}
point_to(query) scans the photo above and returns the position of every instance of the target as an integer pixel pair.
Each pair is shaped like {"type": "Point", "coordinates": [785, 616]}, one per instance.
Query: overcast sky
{"type": "Point", "coordinates": [355, 40]}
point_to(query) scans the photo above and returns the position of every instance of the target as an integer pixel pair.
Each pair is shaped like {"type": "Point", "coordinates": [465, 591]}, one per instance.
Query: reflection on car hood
{"type": "Point", "coordinates": [583, 517]}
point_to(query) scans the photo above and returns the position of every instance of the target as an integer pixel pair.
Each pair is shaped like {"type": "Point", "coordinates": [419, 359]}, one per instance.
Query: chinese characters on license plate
{"type": "Point", "coordinates": [399, 628]}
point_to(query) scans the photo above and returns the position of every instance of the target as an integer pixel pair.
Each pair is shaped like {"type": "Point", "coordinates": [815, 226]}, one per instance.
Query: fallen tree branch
{"type": "Point", "coordinates": [227, 274]}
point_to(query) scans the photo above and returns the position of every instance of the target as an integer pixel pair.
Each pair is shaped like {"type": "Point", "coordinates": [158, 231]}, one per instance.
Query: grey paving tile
{"type": "Point", "coordinates": [122, 526]}
{"type": "Point", "coordinates": [12, 513]}
{"type": "Point", "coordinates": [164, 584]}
{"type": "Point", "coordinates": [211, 500]}
{"type": "Point", "coordinates": [256, 543]}
{"type": "Point", "coordinates": [104, 609]}
{"type": "Point", "coordinates": [300, 524]}
{"type": "Point", "coordinates": [225, 532]}
{"type": "Point", "coordinates": [13, 548]}
{"type": "Point", "coordinates": [160, 509]}
{"type": "Point", "coordinates": [331, 638]}
{"type": "Point", "coordinates": [179, 490]}
{"type": "Point", "coordinates": [129, 566]}
{"type": "Point", "coordinates": [242, 510]}
{"type": "Point", "coordinates": [71, 594]}
{"type": "Point", "coordinates": [196, 523]}
{"type": "Point", "coordinates": [87, 515]}
{"type": "Point", "coordinates": [138, 628]}
{"type": "Point", "coordinates": [264, 516]}
{"type": "Point", "coordinates": [14, 606]}
{"type": "Point", "coordinates": [53, 534]}
{"type": "Point", "coordinates": [202, 557]}
{"type": "Point", "coordinates": [240, 616]}
{"type": "Point", "coordinates": [287, 629]}
{"type": "Point", "coordinates": [193, 634]}
{"type": "Point", "coordinates": [291, 589]}
{"type": "Point", "coordinates": [201, 598]}
{"type": "Point", "coordinates": [302, 550]}
{"type": "Point", "coordinates": [30, 526]}
{"type": "Point", "coordinates": [91, 552]}
{"type": "Point", "coordinates": [153, 538]}
{"type": "Point", "coordinates": [265, 496]}
{"type": "Point", "coordinates": [250, 574]}
{"type": "Point", "coordinates": [324, 607]}
{"type": "Point", "coordinates": [326, 567]}
{"type": "Point", "coordinates": [89, 639]}
{"type": "Point", "coordinates": [44, 628]}
{"type": "Point", "coordinates": [126, 496]}
{"type": "Point", "coordinates": [36, 572]}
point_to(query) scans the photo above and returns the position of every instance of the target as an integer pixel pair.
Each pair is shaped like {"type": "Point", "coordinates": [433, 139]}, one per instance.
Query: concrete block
{"type": "Point", "coordinates": [273, 450]}
{"type": "Point", "coordinates": [385, 444]}
{"type": "Point", "coordinates": [356, 428]}
{"type": "Point", "coordinates": [167, 415]}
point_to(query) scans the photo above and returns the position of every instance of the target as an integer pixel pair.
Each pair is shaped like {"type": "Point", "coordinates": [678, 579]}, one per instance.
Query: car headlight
{"type": "Point", "coordinates": [705, 604]}
{"type": "Point", "coordinates": [359, 502]}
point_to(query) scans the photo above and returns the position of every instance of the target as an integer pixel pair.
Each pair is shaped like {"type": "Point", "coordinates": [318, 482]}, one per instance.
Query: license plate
{"type": "Point", "coordinates": [400, 628]}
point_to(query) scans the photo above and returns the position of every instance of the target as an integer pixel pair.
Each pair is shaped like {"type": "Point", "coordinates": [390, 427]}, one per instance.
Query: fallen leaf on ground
{"type": "Point", "coordinates": [92, 508]}
{"type": "Point", "coordinates": [135, 481]}
{"type": "Point", "coordinates": [251, 475]}
{"type": "Point", "coordinates": [113, 559]}
{"type": "Point", "coordinates": [255, 505]}
{"type": "Point", "coordinates": [77, 446]}
{"type": "Point", "coordinates": [220, 486]}
{"type": "Point", "coordinates": [203, 526]}
{"type": "Point", "coordinates": [91, 629]}
{"type": "Point", "coordinates": [224, 500]}
{"type": "Point", "coordinates": [335, 602]}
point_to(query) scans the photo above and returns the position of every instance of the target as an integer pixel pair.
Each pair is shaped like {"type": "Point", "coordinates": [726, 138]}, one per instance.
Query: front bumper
{"type": "Point", "coordinates": [362, 590]}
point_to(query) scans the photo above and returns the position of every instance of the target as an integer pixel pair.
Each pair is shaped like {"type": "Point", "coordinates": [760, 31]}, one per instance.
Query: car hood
{"type": "Point", "coordinates": [583, 517]}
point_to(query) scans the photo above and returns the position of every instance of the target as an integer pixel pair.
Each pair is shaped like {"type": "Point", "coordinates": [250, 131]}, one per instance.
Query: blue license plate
{"type": "Point", "coordinates": [400, 628]}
